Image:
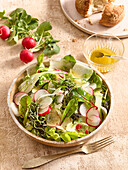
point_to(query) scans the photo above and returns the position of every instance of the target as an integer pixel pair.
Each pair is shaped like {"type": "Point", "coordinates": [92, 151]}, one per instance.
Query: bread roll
{"type": "Point", "coordinates": [89, 7]}
{"type": "Point", "coordinates": [112, 15]}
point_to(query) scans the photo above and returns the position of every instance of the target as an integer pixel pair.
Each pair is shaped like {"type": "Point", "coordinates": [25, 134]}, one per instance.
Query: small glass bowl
{"type": "Point", "coordinates": [110, 42]}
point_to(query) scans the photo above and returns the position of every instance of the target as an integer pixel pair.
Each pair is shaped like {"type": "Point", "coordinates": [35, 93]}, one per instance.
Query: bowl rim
{"type": "Point", "coordinates": [75, 142]}
{"type": "Point", "coordinates": [98, 35]}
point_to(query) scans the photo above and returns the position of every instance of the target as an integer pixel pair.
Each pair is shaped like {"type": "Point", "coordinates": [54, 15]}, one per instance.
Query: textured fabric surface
{"type": "Point", "coordinates": [15, 146]}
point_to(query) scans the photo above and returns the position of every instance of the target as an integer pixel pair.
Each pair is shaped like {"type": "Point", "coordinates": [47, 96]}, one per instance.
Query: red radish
{"type": "Point", "coordinates": [86, 131]}
{"type": "Point", "coordinates": [18, 96]}
{"type": "Point", "coordinates": [26, 56]}
{"type": "Point", "coordinates": [53, 119]}
{"type": "Point", "coordinates": [83, 109]}
{"type": "Point", "coordinates": [28, 42]}
{"type": "Point", "coordinates": [4, 32]}
{"type": "Point", "coordinates": [92, 111]}
{"type": "Point", "coordinates": [40, 93]}
{"type": "Point", "coordinates": [93, 121]}
{"type": "Point", "coordinates": [78, 126]}
{"type": "Point", "coordinates": [44, 111]}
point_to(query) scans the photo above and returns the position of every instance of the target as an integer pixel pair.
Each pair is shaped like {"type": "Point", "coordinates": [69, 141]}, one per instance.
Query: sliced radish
{"type": "Point", "coordinates": [83, 109]}
{"type": "Point", "coordinates": [89, 90]}
{"type": "Point", "coordinates": [44, 111]}
{"type": "Point", "coordinates": [60, 97]}
{"type": "Point", "coordinates": [93, 121]}
{"type": "Point", "coordinates": [53, 119]}
{"type": "Point", "coordinates": [40, 93]}
{"type": "Point", "coordinates": [18, 96]}
{"type": "Point", "coordinates": [61, 70]}
{"type": "Point", "coordinates": [14, 109]}
{"type": "Point", "coordinates": [44, 102]}
{"type": "Point", "coordinates": [92, 111]}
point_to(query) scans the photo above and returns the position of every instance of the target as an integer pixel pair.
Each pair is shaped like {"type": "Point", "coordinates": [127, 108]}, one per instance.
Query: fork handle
{"type": "Point", "coordinates": [45, 159]}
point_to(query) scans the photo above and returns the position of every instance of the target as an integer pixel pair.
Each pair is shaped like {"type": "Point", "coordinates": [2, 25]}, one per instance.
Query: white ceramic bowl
{"type": "Point", "coordinates": [13, 89]}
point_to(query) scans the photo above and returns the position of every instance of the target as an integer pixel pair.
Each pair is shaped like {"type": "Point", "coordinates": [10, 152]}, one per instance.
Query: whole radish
{"type": "Point", "coordinates": [26, 56]}
{"type": "Point", "coordinates": [4, 32]}
{"type": "Point", "coordinates": [28, 42]}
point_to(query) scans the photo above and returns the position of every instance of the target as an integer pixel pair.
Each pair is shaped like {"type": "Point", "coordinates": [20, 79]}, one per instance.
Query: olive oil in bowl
{"type": "Point", "coordinates": [104, 60]}
{"type": "Point", "coordinates": [108, 45]}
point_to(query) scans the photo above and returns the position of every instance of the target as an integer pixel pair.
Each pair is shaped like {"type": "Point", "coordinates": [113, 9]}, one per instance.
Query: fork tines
{"type": "Point", "coordinates": [100, 144]}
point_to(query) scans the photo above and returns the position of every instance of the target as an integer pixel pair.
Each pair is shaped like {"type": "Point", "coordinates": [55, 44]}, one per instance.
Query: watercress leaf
{"type": "Point", "coordinates": [24, 15]}
{"type": "Point", "coordinates": [16, 12]}
{"type": "Point", "coordinates": [2, 15]}
{"type": "Point", "coordinates": [70, 58]}
{"type": "Point", "coordinates": [49, 51]}
{"type": "Point", "coordinates": [33, 24]}
{"type": "Point", "coordinates": [28, 19]}
{"type": "Point", "coordinates": [45, 26]}
{"type": "Point", "coordinates": [40, 62]}
{"type": "Point", "coordinates": [40, 58]}
{"type": "Point", "coordinates": [69, 110]}
{"type": "Point", "coordinates": [12, 35]}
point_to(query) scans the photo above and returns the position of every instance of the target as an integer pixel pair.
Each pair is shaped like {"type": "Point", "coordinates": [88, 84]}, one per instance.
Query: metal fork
{"type": "Point", "coordinates": [87, 149]}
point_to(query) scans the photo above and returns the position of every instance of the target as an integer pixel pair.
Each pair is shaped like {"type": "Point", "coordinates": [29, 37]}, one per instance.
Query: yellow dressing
{"type": "Point", "coordinates": [104, 60]}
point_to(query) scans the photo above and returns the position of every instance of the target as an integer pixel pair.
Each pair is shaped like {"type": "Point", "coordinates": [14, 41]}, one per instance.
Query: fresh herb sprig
{"type": "Point", "coordinates": [22, 25]}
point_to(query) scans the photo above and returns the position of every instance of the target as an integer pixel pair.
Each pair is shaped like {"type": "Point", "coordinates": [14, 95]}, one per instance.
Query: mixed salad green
{"type": "Point", "coordinates": [62, 102]}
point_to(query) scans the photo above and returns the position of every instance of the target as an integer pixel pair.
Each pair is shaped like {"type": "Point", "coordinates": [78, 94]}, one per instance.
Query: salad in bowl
{"type": "Point", "coordinates": [61, 103]}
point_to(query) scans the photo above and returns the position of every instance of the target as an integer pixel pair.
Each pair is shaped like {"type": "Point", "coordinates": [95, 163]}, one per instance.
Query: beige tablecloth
{"type": "Point", "coordinates": [15, 146]}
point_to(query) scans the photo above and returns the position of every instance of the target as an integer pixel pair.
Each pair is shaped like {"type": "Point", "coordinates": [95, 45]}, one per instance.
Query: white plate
{"type": "Point", "coordinates": [68, 7]}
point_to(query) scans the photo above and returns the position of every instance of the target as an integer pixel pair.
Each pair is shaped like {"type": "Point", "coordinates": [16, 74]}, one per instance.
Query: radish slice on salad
{"type": "Point", "coordinates": [40, 93]}
{"type": "Point", "coordinates": [53, 119]}
{"type": "Point", "coordinates": [60, 97]}
{"type": "Point", "coordinates": [18, 96]}
{"type": "Point", "coordinates": [14, 109]}
{"type": "Point", "coordinates": [89, 90]}
{"type": "Point", "coordinates": [92, 111]}
{"type": "Point", "coordinates": [44, 102]}
{"type": "Point", "coordinates": [44, 111]}
{"type": "Point", "coordinates": [83, 109]}
{"type": "Point", "coordinates": [93, 121]}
